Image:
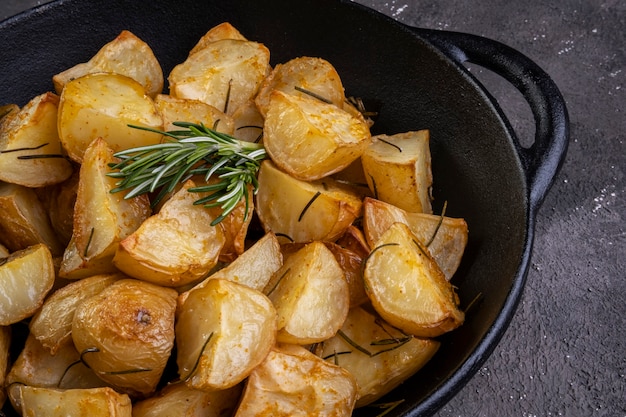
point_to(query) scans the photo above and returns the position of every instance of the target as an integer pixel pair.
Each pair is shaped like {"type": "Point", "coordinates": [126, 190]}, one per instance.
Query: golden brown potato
{"type": "Point", "coordinates": [174, 109]}
{"type": "Point", "coordinates": [398, 170]}
{"type": "Point", "coordinates": [223, 331]}
{"type": "Point", "coordinates": [386, 356]}
{"type": "Point", "coordinates": [445, 237]}
{"type": "Point", "coordinates": [8, 110]}
{"type": "Point", "coordinates": [174, 247]}
{"type": "Point", "coordinates": [52, 324]}
{"type": "Point", "coordinates": [94, 402]}
{"type": "Point", "coordinates": [225, 73]}
{"type": "Point", "coordinates": [301, 211]}
{"type": "Point", "coordinates": [58, 201]}
{"type": "Point", "coordinates": [30, 149]}
{"type": "Point", "coordinates": [305, 77]}
{"type": "Point", "coordinates": [178, 400]}
{"type": "Point", "coordinates": [222, 31]}
{"type": "Point", "coordinates": [311, 295]}
{"type": "Point", "coordinates": [254, 268]}
{"type": "Point", "coordinates": [311, 139]}
{"type": "Point", "coordinates": [248, 123]}
{"type": "Point", "coordinates": [125, 334]}
{"type": "Point", "coordinates": [407, 287]}
{"type": "Point", "coordinates": [5, 345]}
{"type": "Point", "coordinates": [103, 106]}
{"type": "Point", "coordinates": [101, 218]}
{"type": "Point", "coordinates": [24, 221]}
{"type": "Point", "coordinates": [126, 55]}
{"type": "Point", "coordinates": [292, 381]}
{"type": "Point", "coordinates": [26, 277]}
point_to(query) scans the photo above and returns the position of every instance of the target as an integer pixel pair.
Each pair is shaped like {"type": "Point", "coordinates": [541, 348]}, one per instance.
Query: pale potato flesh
{"type": "Point", "coordinates": [126, 55]}
{"type": "Point", "coordinates": [445, 237]}
{"type": "Point", "coordinates": [128, 329]}
{"type": "Point", "coordinates": [302, 211]}
{"type": "Point", "coordinates": [311, 139]}
{"type": "Point", "coordinates": [103, 106]}
{"type": "Point", "coordinates": [174, 247]}
{"type": "Point", "coordinates": [391, 357]}
{"type": "Point", "coordinates": [94, 402]}
{"type": "Point", "coordinates": [225, 73]}
{"type": "Point", "coordinates": [407, 287]}
{"type": "Point", "coordinates": [292, 381]}
{"type": "Point", "coordinates": [30, 148]}
{"type": "Point", "coordinates": [26, 277]}
{"type": "Point", "coordinates": [224, 30]}
{"type": "Point", "coordinates": [311, 295]}
{"type": "Point", "coordinates": [398, 170]}
{"type": "Point", "coordinates": [223, 331]}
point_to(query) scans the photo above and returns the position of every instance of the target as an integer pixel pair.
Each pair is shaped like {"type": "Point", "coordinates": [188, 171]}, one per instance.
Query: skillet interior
{"type": "Point", "coordinates": [411, 84]}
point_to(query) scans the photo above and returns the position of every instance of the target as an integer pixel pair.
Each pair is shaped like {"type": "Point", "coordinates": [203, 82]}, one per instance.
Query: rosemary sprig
{"type": "Point", "coordinates": [194, 150]}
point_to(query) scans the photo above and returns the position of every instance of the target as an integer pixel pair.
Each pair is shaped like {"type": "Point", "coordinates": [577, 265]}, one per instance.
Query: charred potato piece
{"type": "Point", "coordinates": [303, 76]}
{"type": "Point", "coordinates": [386, 356]}
{"type": "Point", "coordinates": [292, 381]}
{"type": "Point", "coordinates": [126, 55]}
{"type": "Point", "coordinates": [166, 249]}
{"type": "Point", "coordinates": [94, 402]}
{"type": "Point", "coordinates": [398, 170]}
{"type": "Point", "coordinates": [407, 287]}
{"type": "Point", "coordinates": [311, 139]}
{"type": "Point", "coordinates": [301, 211]}
{"type": "Point", "coordinates": [101, 218]}
{"type": "Point", "coordinates": [225, 73]}
{"type": "Point", "coordinates": [445, 237]}
{"type": "Point", "coordinates": [24, 221]}
{"type": "Point", "coordinates": [311, 295]}
{"type": "Point", "coordinates": [52, 324]}
{"type": "Point", "coordinates": [26, 277]}
{"type": "Point", "coordinates": [30, 148]}
{"type": "Point", "coordinates": [223, 331]}
{"type": "Point", "coordinates": [106, 106]}
{"type": "Point", "coordinates": [125, 334]}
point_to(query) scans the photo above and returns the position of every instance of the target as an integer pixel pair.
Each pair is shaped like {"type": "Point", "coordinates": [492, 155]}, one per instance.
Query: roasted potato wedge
{"type": "Point", "coordinates": [94, 402]}
{"type": "Point", "coordinates": [248, 123]}
{"type": "Point", "coordinates": [254, 268]}
{"type": "Point", "coordinates": [174, 109]}
{"type": "Point", "coordinates": [311, 295]}
{"type": "Point", "coordinates": [311, 139]}
{"type": "Point", "coordinates": [407, 287]}
{"type": "Point", "coordinates": [305, 77]}
{"type": "Point", "coordinates": [223, 331]}
{"type": "Point", "coordinates": [125, 333]}
{"type": "Point", "coordinates": [26, 277]}
{"type": "Point", "coordinates": [225, 73]}
{"type": "Point", "coordinates": [52, 324]}
{"type": "Point", "coordinates": [386, 356]}
{"type": "Point", "coordinates": [178, 400]}
{"type": "Point", "coordinates": [445, 237]}
{"type": "Point", "coordinates": [398, 170]}
{"type": "Point", "coordinates": [101, 218]}
{"type": "Point", "coordinates": [30, 148]}
{"type": "Point", "coordinates": [224, 30]}
{"type": "Point", "coordinates": [292, 381]}
{"type": "Point", "coordinates": [103, 106]}
{"type": "Point", "coordinates": [24, 221]}
{"type": "Point", "coordinates": [126, 55]}
{"type": "Point", "coordinates": [165, 250]}
{"type": "Point", "coordinates": [301, 211]}
{"type": "Point", "coordinates": [58, 201]}
{"type": "Point", "coordinates": [5, 346]}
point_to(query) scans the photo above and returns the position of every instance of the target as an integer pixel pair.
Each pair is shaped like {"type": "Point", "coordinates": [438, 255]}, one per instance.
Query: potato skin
{"type": "Point", "coordinates": [131, 325]}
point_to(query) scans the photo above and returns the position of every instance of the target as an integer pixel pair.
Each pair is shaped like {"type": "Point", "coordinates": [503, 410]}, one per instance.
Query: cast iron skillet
{"type": "Point", "coordinates": [415, 78]}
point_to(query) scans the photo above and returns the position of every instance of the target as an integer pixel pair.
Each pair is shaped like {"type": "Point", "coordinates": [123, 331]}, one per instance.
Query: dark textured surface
{"type": "Point", "coordinates": [565, 352]}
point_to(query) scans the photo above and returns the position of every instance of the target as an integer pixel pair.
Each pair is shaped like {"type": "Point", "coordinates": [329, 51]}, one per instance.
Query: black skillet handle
{"type": "Point", "coordinates": [543, 159]}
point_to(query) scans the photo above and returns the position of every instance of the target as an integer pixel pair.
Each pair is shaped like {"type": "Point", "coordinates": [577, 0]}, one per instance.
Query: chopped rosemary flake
{"type": "Point", "coordinates": [443, 213]}
{"type": "Point", "coordinates": [34, 148]}
{"type": "Point", "coordinates": [304, 210]}
{"type": "Point", "coordinates": [312, 94]}
{"type": "Point", "coordinates": [41, 156]}
{"type": "Point", "coordinates": [88, 242]}
{"type": "Point", "coordinates": [390, 144]}
{"type": "Point", "coordinates": [387, 407]}
{"type": "Point", "coordinates": [195, 365]}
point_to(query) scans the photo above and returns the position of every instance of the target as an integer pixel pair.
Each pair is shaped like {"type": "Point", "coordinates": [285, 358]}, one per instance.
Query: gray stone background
{"type": "Point", "coordinates": [564, 353]}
